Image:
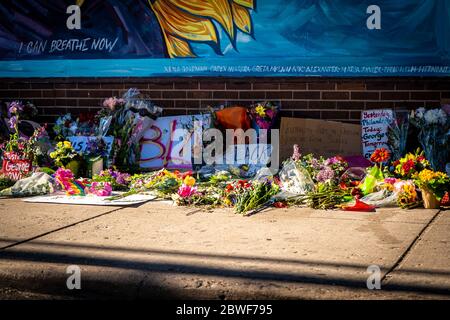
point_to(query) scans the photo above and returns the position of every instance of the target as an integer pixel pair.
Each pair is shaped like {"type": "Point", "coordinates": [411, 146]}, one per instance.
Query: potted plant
{"type": "Point", "coordinates": [66, 157]}
{"type": "Point", "coordinates": [433, 185]}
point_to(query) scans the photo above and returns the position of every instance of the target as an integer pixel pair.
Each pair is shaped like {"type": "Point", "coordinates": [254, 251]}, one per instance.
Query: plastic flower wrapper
{"type": "Point", "coordinates": [295, 179]}
{"type": "Point", "coordinates": [434, 137]}
{"type": "Point", "coordinates": [374, 176]}
{"type": "Point", "coordinates": [39, 183]}
{"type": "Point", "coordinates": [398, 134]}
{"type": "Point", "coordinates": [407, 194]}
{"type": "Point", "coordinates": [386, 196]}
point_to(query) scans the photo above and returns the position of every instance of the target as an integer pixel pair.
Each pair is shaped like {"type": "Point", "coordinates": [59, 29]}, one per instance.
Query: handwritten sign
{"type": "Point", "coordinates": [320, 137]}
{"type": "Point", "coordinates": [374, 128]}
{"type": "Point", "coordinates": [166, 145]}
{"type": "Point", "coordinates": [80, 143]}
{"type": "Point", "coordinates": [14, 166]}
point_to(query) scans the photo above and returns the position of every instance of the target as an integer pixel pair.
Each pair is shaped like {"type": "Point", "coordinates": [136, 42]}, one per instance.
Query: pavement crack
{"type": "Point", "coordinates": [59, 229]}
{"type": "Point", "coordinates": [416, 240]}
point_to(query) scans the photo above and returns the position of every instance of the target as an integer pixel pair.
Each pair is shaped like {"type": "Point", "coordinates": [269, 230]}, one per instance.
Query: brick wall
{"type": "Point", "coordinates": [319, 98]}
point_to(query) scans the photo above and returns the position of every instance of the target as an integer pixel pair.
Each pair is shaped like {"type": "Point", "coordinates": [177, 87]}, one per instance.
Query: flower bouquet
{"type": "Point", "coordinates": [434, 135]}
{"type": "Point", "coordinates": [409, 165]}
{"type": "Point", "coordinates": [263, 115]}
{"type": "Point", "coordinates": [119, 181]}
{"type": "Point", "coordinates": [433, 185]}
{"type": "Point", "coordinates": [255, 195]}
{"type": "Point", "coordinates": [65, 126]}
{"type": "Point", "coordinates": [66, 157]}
{"type": "Point", "coordinates": [407, 196]}
{"type": "Point", "coordinates": [126, 119]}
{"type": "Point", "coordinates": [19, 151]}
{"type": "Point", "coordinates": [397, 136]}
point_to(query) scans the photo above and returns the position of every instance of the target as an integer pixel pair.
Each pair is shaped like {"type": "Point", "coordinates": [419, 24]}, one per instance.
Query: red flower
{"type": "Point", "coordinates": [380, 155]}
{"type": "Point", "coordinates": [280, 204]}
{"type": "Point", "coordinates": [185, 174]}
{"type": "Point", "coordinates": [229, 188]}
{"type": "Point", "coordinates": [420, 158]}
{"type": "Point", "coordinates": [408, 166]}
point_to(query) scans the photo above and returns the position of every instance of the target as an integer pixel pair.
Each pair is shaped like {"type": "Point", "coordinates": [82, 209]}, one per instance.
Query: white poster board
{"type": "Point", "coordinates": [374, 130]}
{"type": "Point", "coordinates": [164, 146]}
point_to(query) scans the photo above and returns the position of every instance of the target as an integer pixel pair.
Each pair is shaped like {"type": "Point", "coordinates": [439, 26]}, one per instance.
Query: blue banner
{"type": "Point", "coordinates": [109, 38]}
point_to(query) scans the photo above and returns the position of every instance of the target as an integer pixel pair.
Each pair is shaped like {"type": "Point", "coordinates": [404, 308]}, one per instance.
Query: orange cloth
{"type": "Point", "coordinates": [233, 118]}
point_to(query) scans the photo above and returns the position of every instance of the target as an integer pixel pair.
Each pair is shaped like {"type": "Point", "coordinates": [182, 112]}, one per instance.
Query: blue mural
{"type": "Point", "coordinates": [225, 38]}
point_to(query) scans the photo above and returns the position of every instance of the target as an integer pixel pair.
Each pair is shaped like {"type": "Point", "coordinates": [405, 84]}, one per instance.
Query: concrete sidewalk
{"type": "Point", "coordinates": [161, 251]}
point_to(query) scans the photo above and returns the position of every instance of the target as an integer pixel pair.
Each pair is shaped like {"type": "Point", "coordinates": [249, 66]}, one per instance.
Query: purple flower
{"type": "Point", "coordinates": [331, 161]}
{"type": "Point", "coordinates": [315, 164]}
{"type": "Point", "coordinates": [325, 174]}
{"type": "Point", "coordinates": [122, 178]}
{"type": "Point", "coordinates": [296, 155]}
{"type": "Point", "coordinates": [13, 122]}
{"type": "Point", "coordinates": [15, 107]}
{"type": "Point", "coordinates": [270, 113]}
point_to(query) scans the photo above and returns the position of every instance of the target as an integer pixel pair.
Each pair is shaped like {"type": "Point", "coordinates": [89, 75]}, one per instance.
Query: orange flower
{"type": "Point", "coordinates": [380, 155]}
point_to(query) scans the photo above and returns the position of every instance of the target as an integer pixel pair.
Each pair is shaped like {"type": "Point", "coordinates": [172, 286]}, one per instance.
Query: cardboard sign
{"type": "Point", "coordinates": [164, 146]}
{"type": "Point", "coordinates": [15, 167]}
{"type": "Point", "coordinates": [374, 128]}
{"type": "Point", "coordinates": [80, 143]}
{"type": "Point", "coordinates": [320, 137]}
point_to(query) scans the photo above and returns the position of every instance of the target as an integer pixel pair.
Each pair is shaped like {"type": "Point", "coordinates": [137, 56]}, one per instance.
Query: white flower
{"type": "Point", "coordinates": [435, 116]}
{"type": "Point", "coordinates": [73, 128]}
{"type": "Point", "coordinates": [420, 112]}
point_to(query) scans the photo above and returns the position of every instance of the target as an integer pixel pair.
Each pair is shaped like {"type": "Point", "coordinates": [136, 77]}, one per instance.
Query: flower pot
{"type": "Point", "coordinates": [73, 166]}
{"type": "Point", "coordinates": [429, 200]}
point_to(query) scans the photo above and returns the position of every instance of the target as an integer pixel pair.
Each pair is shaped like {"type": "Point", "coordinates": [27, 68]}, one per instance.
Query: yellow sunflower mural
{"type": "Point", "coordinates": [183, 21]}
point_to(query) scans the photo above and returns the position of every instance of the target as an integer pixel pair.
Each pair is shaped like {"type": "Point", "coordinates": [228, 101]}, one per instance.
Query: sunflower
{"type": "Point", "coordinates": [185, 21]}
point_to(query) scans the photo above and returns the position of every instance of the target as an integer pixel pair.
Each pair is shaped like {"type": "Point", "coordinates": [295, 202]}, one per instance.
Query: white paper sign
{"type": "Point", "coordinates": [374, 128]}
{"type": "Point", "coordinates": [165, 146]}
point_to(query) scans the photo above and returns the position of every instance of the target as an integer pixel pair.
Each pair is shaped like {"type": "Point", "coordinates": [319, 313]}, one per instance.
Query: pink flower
{"type": "Point", "coordinates": [390, 180]}
{"type": "Point", "coordinates": [63, 175]}
{"type": "Point", "coordinates": [101, 189]}
{"type": "Point", "coordinates": [270, 113]}
{"type": "Point", "coordinates": [263, 124]}
{"type": "Point", "coordinates": [186, 191]}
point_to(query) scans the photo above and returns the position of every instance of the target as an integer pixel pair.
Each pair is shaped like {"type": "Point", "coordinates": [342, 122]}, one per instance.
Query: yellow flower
{"type": "Point", "coordinates": [189, 181]}
{"type": "Point", "coordinates": [59, 144]}
{"type": "Point", "coordinates": [260, 110]}
{"type": "Point", "coordinates": [67, 144]}
{"type": "Point", "coordinates": [426, 175]}
{"type": "Point", "coordinates": [53, 155]}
